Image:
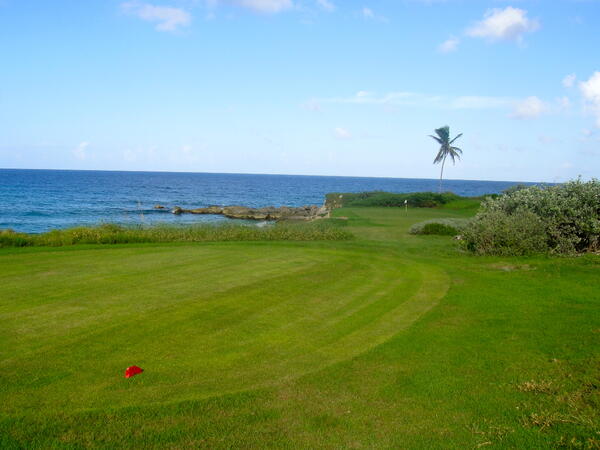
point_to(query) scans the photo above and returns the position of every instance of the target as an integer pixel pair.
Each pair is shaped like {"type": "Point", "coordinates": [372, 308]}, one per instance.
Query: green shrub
{"type": "Point", "coordinates": [440, 227]}
{"type": "Point", "coordinates": [567, 215]}
{"type": "Point", "coordinates": [496, 233]}
{"type": "Point", "coordinates": [323, 230]}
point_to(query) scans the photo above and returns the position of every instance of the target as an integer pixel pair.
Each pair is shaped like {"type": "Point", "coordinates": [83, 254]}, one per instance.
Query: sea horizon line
{"type": "Point", "coordinates": [274, 174]}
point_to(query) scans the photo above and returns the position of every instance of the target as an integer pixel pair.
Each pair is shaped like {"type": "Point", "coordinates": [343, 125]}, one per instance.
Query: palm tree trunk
{"type": "Point", "coordinates": [442, 173]}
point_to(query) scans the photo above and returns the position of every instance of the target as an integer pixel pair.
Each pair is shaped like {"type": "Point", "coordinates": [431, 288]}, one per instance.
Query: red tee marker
{"type": "Point", "coordinates": [133, 370]}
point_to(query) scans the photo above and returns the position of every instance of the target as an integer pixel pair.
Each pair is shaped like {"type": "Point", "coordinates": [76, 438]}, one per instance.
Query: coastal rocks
{"type": "Point", "coordinates": [210, 210]}
{"type": "Point", "coordinates": [159, 207]}
{"type": "Point", "coordinates": [242, 212]}
{"type": "Point", "coordinates": [302, 213]}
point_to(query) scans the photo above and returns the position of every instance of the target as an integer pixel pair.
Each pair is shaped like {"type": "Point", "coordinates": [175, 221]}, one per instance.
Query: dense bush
{"type": "Point", "coordinates": [496, 233]}
{"type": "Point", "coordinates": [440, 227]}
{"type": "Point", "coordinates": [559, 219]}
{"type": "Point", "coordinates": [323, 230]}
{"type": "Point", "coordinates": [388, 199]}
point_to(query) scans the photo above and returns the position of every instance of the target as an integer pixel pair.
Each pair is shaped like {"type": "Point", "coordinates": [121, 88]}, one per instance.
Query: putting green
{"type": "Point", "coordinates": [202, 320]}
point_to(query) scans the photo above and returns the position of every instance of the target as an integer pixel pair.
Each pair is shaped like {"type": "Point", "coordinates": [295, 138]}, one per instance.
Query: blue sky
{"type": "Point", "coordinates": [323, 87]}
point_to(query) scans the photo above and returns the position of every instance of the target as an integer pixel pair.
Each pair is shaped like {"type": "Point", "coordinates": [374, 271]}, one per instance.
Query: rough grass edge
{"type": "Point", "coordinates": [322, 230]}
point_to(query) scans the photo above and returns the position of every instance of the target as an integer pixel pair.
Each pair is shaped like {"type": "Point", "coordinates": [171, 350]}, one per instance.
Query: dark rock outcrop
{"type": "Point", "coordinates": [267, 213]}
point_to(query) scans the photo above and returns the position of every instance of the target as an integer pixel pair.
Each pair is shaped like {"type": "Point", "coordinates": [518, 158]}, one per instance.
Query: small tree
{"type": "Point", "coordinates": [446, 148]}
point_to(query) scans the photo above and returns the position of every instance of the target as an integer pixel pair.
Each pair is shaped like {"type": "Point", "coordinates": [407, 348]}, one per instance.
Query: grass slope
{"type": "Point", "coordinates": [389, 340]}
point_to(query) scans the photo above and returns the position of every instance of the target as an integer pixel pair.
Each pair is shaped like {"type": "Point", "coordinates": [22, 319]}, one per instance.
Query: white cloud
{"type": "Point", "coordinates": [450, 45]}
{"type": "Point", "coordinates": [265, 6]}
{"type": "Point", "coordinates": [326, 5]}
{"type": "Point", "coordinates": [569, 80]}
{"type": "Point", "coordinates": [342, 133]}
{"type": "Point", "coordinates": [420, 100]}
{"type": "Point", "coordinates": [479, 102]}
{"type": "Point", "coordinates": [368, 98]}
{"type": "Point", "coordinates": [369, 14]}
{"type": "Point", "coordinates": [590, 90]}
{"type": "Point", "coordinates": [166, 18]}
{"type": "Point", "coordinates": [391, 98]}
{"type": "Point", "coordinates": [529, 108]}
{"type": "Point", "coordinates": [509, 24]}
{"type": "Point", "coordinates": [79, 152]}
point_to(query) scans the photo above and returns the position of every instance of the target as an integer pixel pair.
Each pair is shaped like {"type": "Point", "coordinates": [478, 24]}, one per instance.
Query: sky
{"type": "Point", "coordinates": [319, 87]}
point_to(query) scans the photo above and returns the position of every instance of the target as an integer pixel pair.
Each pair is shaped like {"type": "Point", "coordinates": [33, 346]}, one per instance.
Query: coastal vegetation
{"type": "Point", "coordinates": [388, 340]}
{"type": "Point", "coordinates": [560, 219]}
{"type": "Point", "coordinates": [389, 199]}
{"type": "Point", "coordinates": [541, 219]}
{"type": "Point", "coordinates": [322, 230]}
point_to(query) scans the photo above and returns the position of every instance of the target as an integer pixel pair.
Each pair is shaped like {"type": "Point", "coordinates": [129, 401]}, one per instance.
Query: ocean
{"type": "Point", "coordinates": [35, 201]}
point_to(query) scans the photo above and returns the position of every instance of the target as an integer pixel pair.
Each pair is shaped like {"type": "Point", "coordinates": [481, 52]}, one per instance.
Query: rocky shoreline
{"type": "Point", "coordinates": [302, 213]}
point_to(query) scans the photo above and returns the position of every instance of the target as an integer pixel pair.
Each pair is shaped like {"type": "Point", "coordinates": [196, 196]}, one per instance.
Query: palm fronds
{"type": "Point", "coordinates": [446, 148]}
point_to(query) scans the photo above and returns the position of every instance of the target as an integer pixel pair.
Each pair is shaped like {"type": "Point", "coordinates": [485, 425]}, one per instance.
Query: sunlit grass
{"type": "Point", "coordinates": [388, 340]}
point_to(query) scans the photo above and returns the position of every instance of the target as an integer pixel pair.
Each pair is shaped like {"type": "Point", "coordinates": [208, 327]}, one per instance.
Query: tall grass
{"type": "Point", "coordinates": [117, 234]}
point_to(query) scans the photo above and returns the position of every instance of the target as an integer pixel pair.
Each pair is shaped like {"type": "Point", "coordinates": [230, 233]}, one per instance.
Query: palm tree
{"type": "Point", "coordinates": [446, 148]}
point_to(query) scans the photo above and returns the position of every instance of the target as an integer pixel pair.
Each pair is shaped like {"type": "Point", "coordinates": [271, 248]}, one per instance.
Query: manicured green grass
{"type": "Point", "coordinates": [390, 340]}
